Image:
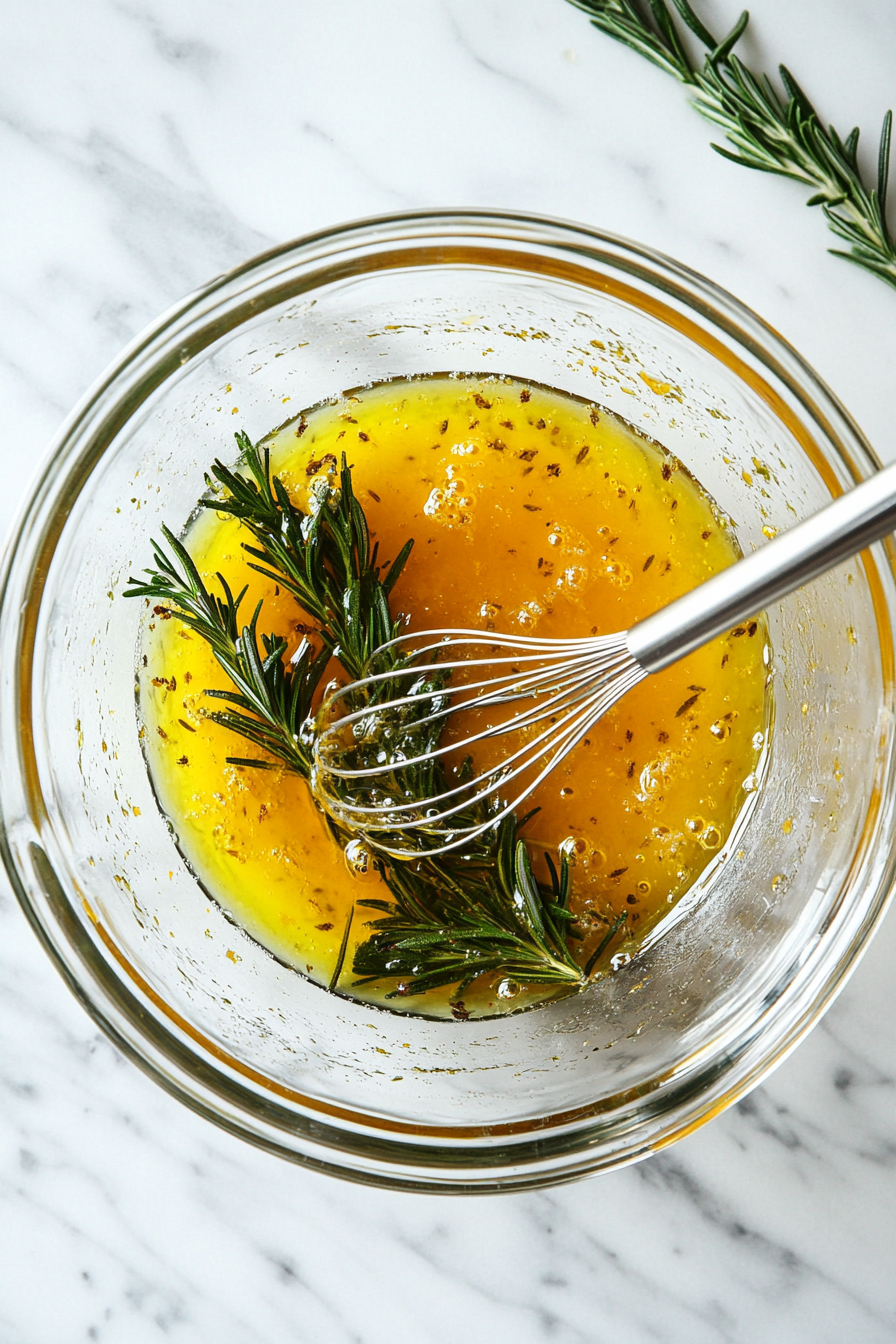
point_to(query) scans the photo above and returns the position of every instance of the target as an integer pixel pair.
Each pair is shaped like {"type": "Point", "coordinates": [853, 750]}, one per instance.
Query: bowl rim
{"type": "Point", "coordinates": [120, 1008]}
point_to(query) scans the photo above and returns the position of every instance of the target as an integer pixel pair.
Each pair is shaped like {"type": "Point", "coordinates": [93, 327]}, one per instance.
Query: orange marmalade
{"type": "Point", "coordinates": [530, 511]}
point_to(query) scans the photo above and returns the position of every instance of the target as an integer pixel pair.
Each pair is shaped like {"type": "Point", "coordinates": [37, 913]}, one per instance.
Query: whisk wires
{"type": "Point", "coordinates": [395, 757]}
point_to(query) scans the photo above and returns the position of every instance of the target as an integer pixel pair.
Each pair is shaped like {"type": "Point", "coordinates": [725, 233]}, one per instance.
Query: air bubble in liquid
{"type": "Point", "coordinates": [528, 614]}
{"type": "Point", "coordinates": [617, 571]}
{"type": "Point", "coordinates": [358, 858]}
{"type": "Point", "coordinates": [710, 837]}
{"type": "Point", "coordinates": [573, 578]}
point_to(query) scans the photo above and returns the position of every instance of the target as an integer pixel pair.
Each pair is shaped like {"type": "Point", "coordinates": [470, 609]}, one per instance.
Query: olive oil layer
{"type": "Point", "coordinates": [530, 512]}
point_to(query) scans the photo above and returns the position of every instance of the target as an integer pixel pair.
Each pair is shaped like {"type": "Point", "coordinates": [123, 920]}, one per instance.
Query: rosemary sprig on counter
{"type": "Point", "coordinates": [452, 917]}
{"type": "Point", "coordinates": [774, 134]}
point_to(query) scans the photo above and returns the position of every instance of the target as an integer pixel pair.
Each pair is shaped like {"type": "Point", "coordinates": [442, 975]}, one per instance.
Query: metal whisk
{"type": "Point", "coordinates": [387, 767]}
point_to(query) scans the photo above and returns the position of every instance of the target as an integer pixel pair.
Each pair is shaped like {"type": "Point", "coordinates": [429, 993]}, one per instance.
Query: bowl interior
{"type": "Point", "coordinates": [601, 1068]}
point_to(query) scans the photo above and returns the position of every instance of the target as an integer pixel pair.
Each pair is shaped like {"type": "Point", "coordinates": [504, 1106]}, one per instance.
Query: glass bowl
{"type": "Point", "coordinates": [750, 958]}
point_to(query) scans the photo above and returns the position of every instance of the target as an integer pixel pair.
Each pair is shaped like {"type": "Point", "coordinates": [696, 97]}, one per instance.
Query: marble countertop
{"type": "Point", "coordinates": [150, 144]}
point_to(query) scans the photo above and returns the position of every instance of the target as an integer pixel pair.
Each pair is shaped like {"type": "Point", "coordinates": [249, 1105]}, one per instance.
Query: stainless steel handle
{"type": "Point", "coordinates": [812, 547]}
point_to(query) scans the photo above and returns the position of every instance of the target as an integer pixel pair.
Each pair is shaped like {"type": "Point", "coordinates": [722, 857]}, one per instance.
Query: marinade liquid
{"type": "Point", "coordinates": [530, 511]}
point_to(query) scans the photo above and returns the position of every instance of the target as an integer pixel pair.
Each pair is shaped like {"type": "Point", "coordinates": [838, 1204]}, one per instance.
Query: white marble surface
{"type": "Point", "coordinates": [149, 144]}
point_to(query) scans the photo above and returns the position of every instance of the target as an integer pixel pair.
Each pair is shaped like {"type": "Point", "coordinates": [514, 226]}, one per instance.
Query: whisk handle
{"type": "Point", "coordinates": [802, 553]}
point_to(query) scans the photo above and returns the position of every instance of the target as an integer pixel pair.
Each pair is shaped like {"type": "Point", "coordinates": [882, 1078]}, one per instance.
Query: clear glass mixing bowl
{"type": "Point", "coordinates": [763, 942]}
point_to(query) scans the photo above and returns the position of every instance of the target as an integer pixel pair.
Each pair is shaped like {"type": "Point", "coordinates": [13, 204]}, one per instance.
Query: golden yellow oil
{"type": "Point", "coordinates": [530, 511]}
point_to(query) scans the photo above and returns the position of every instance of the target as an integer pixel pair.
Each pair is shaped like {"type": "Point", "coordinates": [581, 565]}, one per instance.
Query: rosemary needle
{"type": "Point", "coordinates": [768, 131]}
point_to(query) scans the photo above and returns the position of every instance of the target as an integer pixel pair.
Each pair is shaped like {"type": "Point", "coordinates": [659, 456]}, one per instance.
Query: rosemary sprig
{"type": "Point", "coordinates": [272, 697]}
{"type": "Point", "coordinates": [324, 558]}
{"type": "Point", "coordinates": [769, 132]}
{"type": "Point", "coordinates": [452, 917]}
{"type": "Point", "coordinates": [491, 917]}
